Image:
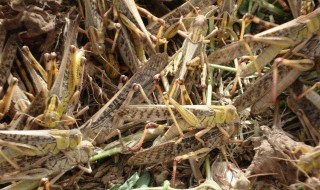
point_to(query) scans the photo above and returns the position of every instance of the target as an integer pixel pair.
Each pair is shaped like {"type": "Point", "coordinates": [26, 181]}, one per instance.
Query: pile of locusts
{"type": "Point", "coordinates": [160, 94]}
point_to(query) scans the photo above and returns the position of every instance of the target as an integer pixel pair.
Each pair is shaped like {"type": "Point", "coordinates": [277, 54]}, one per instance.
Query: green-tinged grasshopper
{"type": "Point", "coordinates": [189, 116]}
{"type": "Point", "coordinates": [273, 40]}
{"type": "Point", "coordinates": [99, 126]}
{"type": "Point", "coordinates": [310, 161]}
{"type": "Point", "coordinates": [52, 166]}
{"type": "Point", "coordinates": [37, 143]}
{"type": "Point", "coordinates": [188, 147]}
{"type": "Point", "coordinates": [64, 89]}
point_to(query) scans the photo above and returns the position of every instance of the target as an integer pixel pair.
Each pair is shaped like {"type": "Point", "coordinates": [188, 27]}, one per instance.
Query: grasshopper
{"type": "Point", "coordinates": [96, 34]}
{"type": "Point", "coordinates": [20, 101]}
{"type": "Point", "coordinates": [172, 25]}
{"type": "Point", "coordinates": [37, 143]}
{"type": "Point", "coordinates": [20, 121]}
{"type": "Point", "coordinates": [8, 52]}
{"type": "Point", "coordinates": [35, 168]}
{"type": "Point", "coordinates": [33, 81]}
{"type": "Point", "coordinates": [6, 100]}
{"type": "Point", "coordinates": [301, 7]}
{"type": "Point", "coordinates": [101, 121]}
{"type": "Point", "coordinates": [188, 147]}
{"type": "Point", "coordinates": [128, 14]}
{"type": "Point", "coordinates": [260, 94]}
{"type": "Point", "coordinates": [193, 45]}
{"type": "Point", "coordinates": [64, 89]}
{"type": "Point", "coordinates": [309, 162]}
{"type": "Point", "coordinates": [306, 110]}
{"type": "Point", "coordinates": [288, 35]}
{"type": "Point", "coordinates": [205, 116]}
{"type": "Point", "coordinates": [128, 52]}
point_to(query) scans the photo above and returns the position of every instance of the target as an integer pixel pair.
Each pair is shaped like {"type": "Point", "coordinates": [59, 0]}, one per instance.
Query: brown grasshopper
{"type": "Point", "coordinates": [189, 116]}
{"type": "Point", "coordinates": [193, 45]}
{"type": "Point", "coordinates": [6, 100]}
{"type": "Point", "coordinates": [260, 95]}
{"type": "Point", "coordinates": [21, 120]}
{"type": "Point", "coordinates": [96, 31]}
{"type": "Point", "coordinates": [195, 116]}
{"type": "Point", "coordinates": [306, 110]}
{"type": "Point", "coordinates": [20, 101]}
{"type": "Point", "coordinates": [99, 126]}
{"type": "Point", "coordinates": [28, 71]}
{"type": "Point", "coordinates": [301, 7]}
{"type": "Point", "coordinates": [172, 24]}
{"type": "Point", "coordinates": [288, 35]}
{"type": "Point", "coordinates": [8, 52]}
{"type": "Point", "coordinates": [128, 14]}
{"type": "Point", "coordinates": [188, 147]}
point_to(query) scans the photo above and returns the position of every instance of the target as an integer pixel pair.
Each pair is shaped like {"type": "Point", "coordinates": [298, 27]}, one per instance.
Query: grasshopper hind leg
{"type": "Point", "coordinates": [6, 101]}
{"type": "Point", "coordinates": [196, 154]}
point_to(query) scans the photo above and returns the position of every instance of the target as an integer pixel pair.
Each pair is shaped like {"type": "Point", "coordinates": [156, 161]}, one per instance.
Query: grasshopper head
{"type": "Point", "coordinates": [75, 138]}
{"type": "Point", "coordinates": [53, 112]}
{"type": "Point", "coordinates": [305, 163]}
{"type": "Point", "coordinates": [231, 114]}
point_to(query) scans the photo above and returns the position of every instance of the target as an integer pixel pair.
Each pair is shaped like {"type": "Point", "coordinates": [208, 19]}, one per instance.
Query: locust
{"type": "Point", "coordinates": [128, 14]}
{"type": "Point", "coordinates": [99, 126]}
{"type": "Point", "coordinates": [6, 100]}
{"type": "Point", "coordinates": [205, 116]}
{"type": "Point", "coordinates": [22, 121]}
{"type": "Point", "coordinates": [64, 89]}
{"type": "Point", "coordinates": [309, 162]}
{"type": "Point", "coordinates": [188, 147]}
{"type": "Point", "coordinates": [288, 35]}
{"type": "Point", "coordinates": [193, 45]}
{"type": "Point", "coordinates": [301, 7]}
{"type": "Point", "coordinates": [307, 110]}
{"type": "Point", "coordinates": [8, 52]}
{"type": "Point", "coordinates": [172, 24]}
{"type": "Point", "coordinates": [53, 166]}
{"type": "Point", "coordinates": [33, 81]}
{"type": "Point", "coordinates": [96, 30]}
{"type": "Point", "coordinates": [263, 91]}
{"type": "Point", "coordinates": [37, 143]}
{"type": "Point", "coordinates": [28, 57]}
{"type": "Point", "coordinates": [19, 101]}
{"type": "Point", "coordinates": [128, 52]}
